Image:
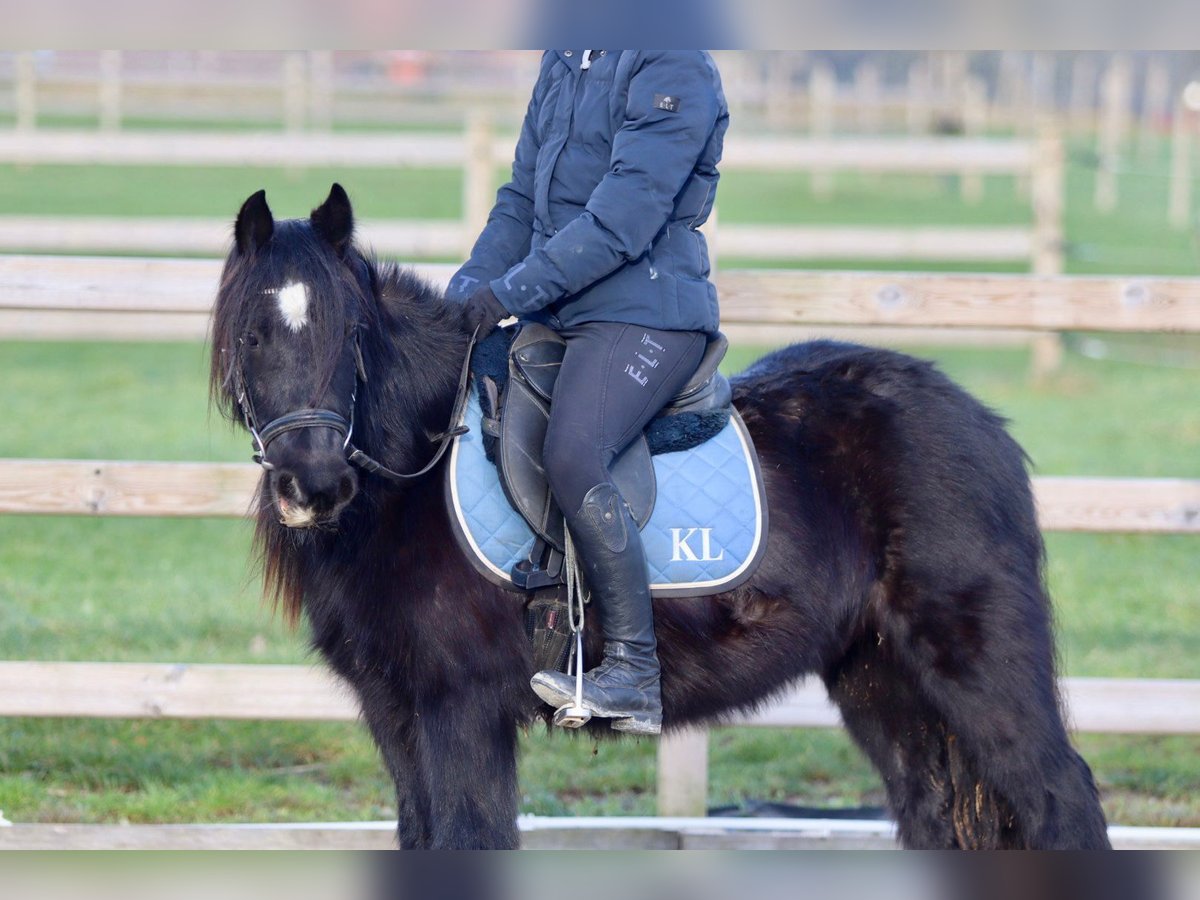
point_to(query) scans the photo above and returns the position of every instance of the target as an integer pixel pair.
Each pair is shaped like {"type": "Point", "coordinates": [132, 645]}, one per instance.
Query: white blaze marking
{"type": "Point", "coordinates": [293, 304]}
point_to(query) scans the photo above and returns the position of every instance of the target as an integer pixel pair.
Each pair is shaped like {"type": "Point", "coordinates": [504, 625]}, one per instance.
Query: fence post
{"type": "Point", "coordinates": [1012, 91]}
{"type": "Point", "coordinates": [1082, 109]}
{"type": "Point", "coordinates": [293, 92]}
{"type": "Point", "coordinates": [1156, 106]}
{"type": "Point", "coordinates": [1042, 97]}
{"type": "Point", "coordinates": [868, 96]}
{"type": "Point", "coordinates": [321, 82]}
{"type": "Point", "coordinates": [110, 90]}
{"type": "Point", "coordinates": [683, 773]}
{"type": "Point", "coordinates": [1114, 125]}
{"type": "Point", "coordinates": [26, 91]}
{"type": "Point", "coordinates": [822, 93]}
{"type": "Point", "coordinates": [1048, 185]}
{"type": "Point", "coordinates": [776, 97]}
{"type": "Point", "coordinates": [477, 189]}
{"type": "Point", "coordinates": [916, 108]}
{"type": "Point", "coordinates": [974, 116]}
{"type": "Point", "coordinates": [1180, 212]}
{"type": "Point", "coordinates": [1047, 190]}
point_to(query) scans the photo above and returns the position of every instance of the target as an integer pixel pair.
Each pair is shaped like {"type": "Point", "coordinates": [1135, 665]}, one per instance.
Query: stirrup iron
{"type": "Point", "coordinates": [575, 715]}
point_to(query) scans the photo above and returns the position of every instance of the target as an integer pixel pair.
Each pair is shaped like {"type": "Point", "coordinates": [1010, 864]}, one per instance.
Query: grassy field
{"type": "Point", "coordinates": [150, 590]}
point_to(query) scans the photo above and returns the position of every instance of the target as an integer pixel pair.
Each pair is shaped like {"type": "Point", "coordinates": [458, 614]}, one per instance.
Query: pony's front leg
{"type": "Point", "coordinates": [391, 725]}
{"type": "Point", "coordinates": [467, 748]}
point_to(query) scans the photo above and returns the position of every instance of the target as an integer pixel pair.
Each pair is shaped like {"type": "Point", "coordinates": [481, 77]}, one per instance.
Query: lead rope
{"type": "Point", "coordinates": [575, 616]}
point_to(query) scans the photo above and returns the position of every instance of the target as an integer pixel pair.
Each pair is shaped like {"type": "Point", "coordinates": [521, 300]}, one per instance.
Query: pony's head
{"type": "Point", "coordinates": [285, 353]}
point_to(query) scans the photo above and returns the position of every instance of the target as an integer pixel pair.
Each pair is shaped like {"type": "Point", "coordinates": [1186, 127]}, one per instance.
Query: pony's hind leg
{"type": "Point", "coordinates": [982, 656]}
{"type": "Point", "coordinates": [903, 736]}
{"type": "Point", "coordinates": [1013, 759]}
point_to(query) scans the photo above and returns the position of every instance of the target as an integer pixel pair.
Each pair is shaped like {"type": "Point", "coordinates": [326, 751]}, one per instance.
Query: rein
{"type": "Point", "coordinates": [328, 418]}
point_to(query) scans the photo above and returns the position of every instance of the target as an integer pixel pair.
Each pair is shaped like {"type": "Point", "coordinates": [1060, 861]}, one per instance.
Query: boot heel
{"type": "Point", "coordinates": [638, 725]}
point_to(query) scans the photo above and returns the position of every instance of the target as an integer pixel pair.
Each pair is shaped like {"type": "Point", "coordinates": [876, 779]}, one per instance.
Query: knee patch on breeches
{"type": "Point", "coordinates": [603, 514]}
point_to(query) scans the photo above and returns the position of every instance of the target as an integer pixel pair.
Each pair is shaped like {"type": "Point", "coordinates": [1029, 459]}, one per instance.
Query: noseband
{"type": "Point", "coordinates": [310, 417]}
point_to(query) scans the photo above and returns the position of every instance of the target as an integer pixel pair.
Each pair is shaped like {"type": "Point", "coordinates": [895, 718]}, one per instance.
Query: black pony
{"type": "Point", "coordinates": [903, 566]}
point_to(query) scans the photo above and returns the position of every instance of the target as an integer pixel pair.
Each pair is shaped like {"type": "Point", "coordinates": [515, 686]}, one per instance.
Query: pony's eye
{"type": "Point", "coordinates": [250, 339]}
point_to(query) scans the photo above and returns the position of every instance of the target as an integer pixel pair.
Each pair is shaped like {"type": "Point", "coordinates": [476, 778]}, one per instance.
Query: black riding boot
{"type": "Point", "coordinates": [625, 686]}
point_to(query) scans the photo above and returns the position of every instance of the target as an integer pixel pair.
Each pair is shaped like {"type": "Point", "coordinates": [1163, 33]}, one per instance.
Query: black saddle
{"type": "Point", "coordinates": [515, 400]}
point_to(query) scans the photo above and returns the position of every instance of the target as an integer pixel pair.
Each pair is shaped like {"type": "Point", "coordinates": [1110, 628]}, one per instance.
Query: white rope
{"type": "Point", "coordinates": [575, 613]}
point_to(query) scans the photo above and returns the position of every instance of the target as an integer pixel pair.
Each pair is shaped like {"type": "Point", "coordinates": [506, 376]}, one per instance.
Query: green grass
{"type": "Point", "coordinates": [180, 191]}
{"type": "Point", "coordinates": [179, 590]}
{"type": "Point", "coordinates": [227, 125]}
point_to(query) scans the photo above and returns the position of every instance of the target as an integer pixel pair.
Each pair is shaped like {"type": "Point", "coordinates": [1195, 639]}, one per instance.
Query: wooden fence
{"type": "Point", "coordinates": [480, 155]}
{"type": "Point", "coordinates": [81, 298]}
{"type": "Point", "coordinates": [786, 89]}
{"type": "Point", "coordinates": [1118, 98]}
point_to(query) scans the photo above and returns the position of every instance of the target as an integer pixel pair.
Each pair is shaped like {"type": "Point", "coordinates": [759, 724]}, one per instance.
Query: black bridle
{"type": "Point", "coordinates": [312, 417]}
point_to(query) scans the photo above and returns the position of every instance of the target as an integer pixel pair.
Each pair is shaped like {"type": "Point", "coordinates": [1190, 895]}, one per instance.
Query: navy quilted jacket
{"type": "Point", "coordinates": [614, 171]}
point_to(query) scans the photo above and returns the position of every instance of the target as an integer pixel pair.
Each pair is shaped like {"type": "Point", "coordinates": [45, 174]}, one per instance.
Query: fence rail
{"type": "Point", "coordinates": [280, 692]}
{"type": "Point", "coordinates": [479, 155]}
{"type": "Point", "coordinates": [48, 297]}
{"type": "Point", "coordinates": [445, 238]}
{"type": "Point", "coordinates": [195, 490]}
{"type": "Point", "coordinates": [783, 89]}
{"type": "Point", "coordinates": [537, 833]}
{"type": "Point", "coordinates": [918, 155]}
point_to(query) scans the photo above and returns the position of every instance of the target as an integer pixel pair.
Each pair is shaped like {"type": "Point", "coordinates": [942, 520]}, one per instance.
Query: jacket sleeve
{"type": "Point", "coordinates": [670, 114]}
{"type": "Point", "coordinates": [506, 237]}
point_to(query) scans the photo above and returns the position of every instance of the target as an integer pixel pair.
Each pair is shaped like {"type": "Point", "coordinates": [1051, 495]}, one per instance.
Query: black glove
{"type": "Point", "coordinates": [484, 311]}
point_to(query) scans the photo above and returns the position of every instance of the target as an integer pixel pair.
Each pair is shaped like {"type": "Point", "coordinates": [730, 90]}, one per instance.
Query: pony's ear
{"type": "Point", "coordinates": [255, 224]}
{"type": "Point", "coordinates": [333, 220]}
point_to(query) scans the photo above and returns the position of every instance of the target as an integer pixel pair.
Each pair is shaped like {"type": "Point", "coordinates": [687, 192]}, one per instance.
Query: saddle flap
{"type": "Point", "coordinates": [715, 394]}
{"type": "Point", "coordinates": [523, 478]}
{"type": "Point", "coordinates": [523, 421]}
{"type": "Point", "coordinates": [633, 474]}
{"type": "Point", "coordinates": [537, 354]}
{"type": "Point", "coordinates": [534, 362]}
{"type": "Point", "coordinates": [714, 352]}
{"type": "Point", "coordinates": [707, 390]}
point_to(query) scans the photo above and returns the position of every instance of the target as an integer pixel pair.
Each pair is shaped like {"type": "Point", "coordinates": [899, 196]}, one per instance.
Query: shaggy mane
{"type": "Point", "coordinates": [383, 300]}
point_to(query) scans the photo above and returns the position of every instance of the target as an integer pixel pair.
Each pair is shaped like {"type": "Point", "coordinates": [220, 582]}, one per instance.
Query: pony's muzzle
{"type": "Point", "coordinates": [312, 495]}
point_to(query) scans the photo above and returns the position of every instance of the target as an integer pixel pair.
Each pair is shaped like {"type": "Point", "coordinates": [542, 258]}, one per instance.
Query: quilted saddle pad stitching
{"type": "Point", "coordinates": [512, 540]}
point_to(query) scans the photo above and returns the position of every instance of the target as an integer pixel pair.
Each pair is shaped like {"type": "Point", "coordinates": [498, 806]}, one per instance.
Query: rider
{"type": "Point", "coordinates": [595, 236]}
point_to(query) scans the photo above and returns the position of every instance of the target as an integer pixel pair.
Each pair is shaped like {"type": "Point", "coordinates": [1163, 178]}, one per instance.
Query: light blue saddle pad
{"type": "Point", "coordinates": [706, 534]}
